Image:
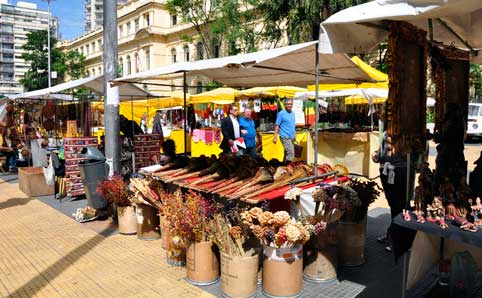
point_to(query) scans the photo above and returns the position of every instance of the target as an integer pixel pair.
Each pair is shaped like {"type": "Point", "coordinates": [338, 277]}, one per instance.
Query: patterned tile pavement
{"type": "Point", "coordinates": [43, 253]}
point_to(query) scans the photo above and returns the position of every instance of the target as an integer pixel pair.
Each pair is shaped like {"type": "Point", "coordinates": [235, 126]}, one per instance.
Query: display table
{"type": "Point", "coordinates": [199, 147]}
{"type": "Point", "coordinates": [177, 135]}
{"type": "Point", "coordinates": [350, 149]}
{"type": "Point", "coordinates": [430, 241]}
{"type": "Point", "coordinates": [271, 150]}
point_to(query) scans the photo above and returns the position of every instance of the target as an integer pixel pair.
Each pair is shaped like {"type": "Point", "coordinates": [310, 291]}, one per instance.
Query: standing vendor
{"type": "Point", "coordinates": [7, 149]}
{"type": "Point", "coordinates": [230, 130]}
{"type": "Point", "coordinates": [285, 127]}
{"type": "Point", "coordinates": [248, 132]}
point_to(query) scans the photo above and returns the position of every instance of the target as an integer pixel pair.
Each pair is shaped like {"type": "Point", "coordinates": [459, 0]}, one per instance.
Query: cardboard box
{"type": "Point", "coordinates": [31, 181]}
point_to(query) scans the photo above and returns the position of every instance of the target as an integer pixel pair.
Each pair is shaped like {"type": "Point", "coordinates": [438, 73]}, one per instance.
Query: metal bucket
{"type": "Point", "coordinates": [351, 242]}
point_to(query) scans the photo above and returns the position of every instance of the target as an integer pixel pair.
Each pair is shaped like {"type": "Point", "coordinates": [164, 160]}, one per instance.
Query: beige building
{"type": "Point", "coordinates": [149, 37]}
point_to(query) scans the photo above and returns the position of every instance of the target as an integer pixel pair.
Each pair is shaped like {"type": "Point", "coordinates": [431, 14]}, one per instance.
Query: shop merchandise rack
{"type": "Point", "coordinates": [72, 146]}
{"type": "Point", "coordinates": [146, 146]}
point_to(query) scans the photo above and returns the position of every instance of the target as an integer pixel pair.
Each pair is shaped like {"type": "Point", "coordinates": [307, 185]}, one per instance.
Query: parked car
{"type": "Point", "coordinates": [474, 121]}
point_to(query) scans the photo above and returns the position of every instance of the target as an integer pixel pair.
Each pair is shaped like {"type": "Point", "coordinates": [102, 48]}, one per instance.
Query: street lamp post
{"type": "Point", "coordinates": [48, 43]}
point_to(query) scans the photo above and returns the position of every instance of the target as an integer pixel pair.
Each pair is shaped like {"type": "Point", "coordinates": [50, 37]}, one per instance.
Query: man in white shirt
{"type": "Point", "coordinates": [230, 130]}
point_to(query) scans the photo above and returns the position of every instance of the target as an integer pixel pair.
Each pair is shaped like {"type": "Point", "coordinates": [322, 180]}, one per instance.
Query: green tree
{"type": "Point", "coordinates": [299, 19]}
{"type": "Point", "coordinates": [475, 79]}
{"type": "Point", "coordinates": [36, 54]}
{"type": "Point", "coordinates": [215, 22]}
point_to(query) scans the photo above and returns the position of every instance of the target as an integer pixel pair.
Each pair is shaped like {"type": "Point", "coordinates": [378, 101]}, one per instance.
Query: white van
{"type": "Point", "coordinates": [474, 121]}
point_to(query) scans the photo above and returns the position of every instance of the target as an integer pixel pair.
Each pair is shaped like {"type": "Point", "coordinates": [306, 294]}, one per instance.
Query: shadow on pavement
{"type": "Point", "coordinates": [14, 202]}
{"type": "Point", "coordinates": [40, 281]}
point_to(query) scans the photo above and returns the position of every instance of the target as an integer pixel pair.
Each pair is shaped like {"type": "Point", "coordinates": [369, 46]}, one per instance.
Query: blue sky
{"type": "Point", "coordinates": [69, 12]}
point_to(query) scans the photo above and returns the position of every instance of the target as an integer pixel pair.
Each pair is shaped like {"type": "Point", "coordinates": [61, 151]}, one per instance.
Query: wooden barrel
{"type": "Point", "coordinates": [147, 222]}
{"type": "Point", "coordinates": [320, 259]}
{"type": "Point", "coordinates": [283, 271]}
{"type": "Point", "coordinates": [127, 220]}
{"type": "Point", "coordinates": [351, 242]}
{"type": "Point", "coordinates": [239, 276]}
{"type": "Point", "coordinates": [202, 265]}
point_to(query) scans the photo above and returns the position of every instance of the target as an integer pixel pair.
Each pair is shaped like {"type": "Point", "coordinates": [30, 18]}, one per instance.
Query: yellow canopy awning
{"type": "Point", "coordinates": [260, 92]}
{"type": "Point", "coordinates": [358, 99]}
{"type": "Point", "coordinates": [380, 77]}
{"type": "Point", "coordinates": [220, 96]}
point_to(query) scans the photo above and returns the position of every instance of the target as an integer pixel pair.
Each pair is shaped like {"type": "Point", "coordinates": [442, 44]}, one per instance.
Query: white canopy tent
{"type": "Point", "coordinates": [293, 65]}
{"type": "Point", "coordinates": [368, 93]}
{"type": "Point", "coordinates": [360, 28]}
{"type": "Point", "coordinates": [297, 65]}
{"type": "Point", "coordinates": [95, 83]}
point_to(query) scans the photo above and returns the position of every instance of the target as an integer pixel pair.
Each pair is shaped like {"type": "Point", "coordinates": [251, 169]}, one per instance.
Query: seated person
{"type": "Point", "coordinates": [169, 152]}
{"type": "Point", "coordinates": [7, 149]}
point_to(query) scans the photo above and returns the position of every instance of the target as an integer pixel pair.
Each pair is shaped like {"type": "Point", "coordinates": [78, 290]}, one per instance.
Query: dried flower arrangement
{"type": "Point", "coordinates": [367, 192]}
{"type": "Point", "coordinates": [188, 215]}
{"type": "Point", "coordinates": [277, 229]}
{"type": "Point", "coordinates": [332, 201]}
{"type": "Point", "coordinates": [229, 233]}
{"type": "Point", "coordinates": [115, 191]}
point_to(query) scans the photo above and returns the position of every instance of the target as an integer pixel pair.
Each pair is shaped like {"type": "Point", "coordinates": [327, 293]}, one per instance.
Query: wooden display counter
{"type": "Point", "coordinates": [350, 149]}
{"type": "Point", "coordinates": [271, 150]}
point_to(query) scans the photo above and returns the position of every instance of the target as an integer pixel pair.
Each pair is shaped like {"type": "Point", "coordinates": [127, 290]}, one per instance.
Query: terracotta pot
{"type": "Point", "coordinates": [202, 265]}
{"type": "Point", "coordinates": [239, 275]}
{"type": "Point", "coordinates": [283, 271]}
{"type": "Point", "coordinates": [127, 220]}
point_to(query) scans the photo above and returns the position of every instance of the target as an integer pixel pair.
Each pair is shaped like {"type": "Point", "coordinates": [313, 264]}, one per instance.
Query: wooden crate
{"type": "Point", "coordinates": [31, 181]}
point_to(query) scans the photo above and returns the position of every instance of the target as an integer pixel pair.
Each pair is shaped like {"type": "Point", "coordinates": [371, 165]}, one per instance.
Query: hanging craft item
{"type": "Point", "coordinates": [48, 116]}
{"type": "Point", "coordinates": [449, 68]}
{"type": "Point", "coordinates": [71, 128]}
{"type": "Point", "coordinates": [406, 104]}
{"type": "Point", "coordinates": [217, 136]}
{"type": "Point", "coordinates": [208, 137]}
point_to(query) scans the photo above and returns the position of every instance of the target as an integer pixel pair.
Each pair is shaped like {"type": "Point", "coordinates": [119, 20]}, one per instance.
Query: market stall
{"type": "Point", "coordinates": [449, 35]}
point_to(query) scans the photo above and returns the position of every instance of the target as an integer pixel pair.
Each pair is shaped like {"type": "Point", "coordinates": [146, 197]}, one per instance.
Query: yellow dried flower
{"type": "Point", "coordinates": [258, 231]}
{"type": "Point", "coordinates": [281, 218]}
{"type": "Point", "coordinates": [246, 218]}
{"type": "Point", "coordinates": [292, 233]}
{"type": "Point", "coordinates": [304, 236]}
{"type": "Point", "coordinates": [255, 212]}
{"type": "Point", "coordinates": [235, 232]}
{"type": "Point", "coordinates": [266, 218]}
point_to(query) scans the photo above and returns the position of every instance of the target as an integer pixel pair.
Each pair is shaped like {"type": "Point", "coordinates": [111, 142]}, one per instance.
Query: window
{"type": "Point", "coordinates": [148, 59]}
{"type": "Point", "coordinates": [199, 87]}
{"type": "Point", "coordinates": [128, 28]}
{"type": "Point", "coordinates": [121, 67]}
{"type": "Point", "coordinates": [99, 44]}
{"type": "Point", "coordinates": [129, 65]}
{"type": "Point", "coordinates": [93, 47]}
{"type": "Point", "coordinates": [121, 30]}
{"type": "Point", "coordinates": [100, 70]}
{"type": "Point", "coordinates": [93, 71]}
{"type": "Point", "coordinates": [136, 24]}
{"type": "Point", "coordinates": [136, 57]}
{"type": "Point", "coordinates": [87, 50]}
{"type": "Point", "coordinates": [148, 19]}
{"type": "Point", "coordinates": [216, 48]}
{"type": "Point", "coordinates": [174, 20]}
{"type": "Point", "coordinates": [200, 51]}
{"type": "Point", "coordinates": [186, 53]}
{"type": "Point", "coordinates": [173, 56]}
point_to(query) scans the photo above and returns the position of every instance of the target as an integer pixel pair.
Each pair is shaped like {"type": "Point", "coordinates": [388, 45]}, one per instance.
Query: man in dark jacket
{"type": "Point", "coordinates": [230, 130]}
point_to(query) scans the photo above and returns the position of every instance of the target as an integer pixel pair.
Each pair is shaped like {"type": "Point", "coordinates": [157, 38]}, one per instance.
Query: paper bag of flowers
{"type": "Point", "coordinates": [116, 191]}
{"type": "Point", "coordinates": [283, 238]}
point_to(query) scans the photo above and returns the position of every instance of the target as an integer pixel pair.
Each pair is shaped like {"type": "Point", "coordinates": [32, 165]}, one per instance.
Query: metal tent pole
{"type": "Point", "coordinates": [111, 94]}
{"type": "Point", "coordinates": [185, 113]}
{"type": "Point", "coordinates": [317, 80]}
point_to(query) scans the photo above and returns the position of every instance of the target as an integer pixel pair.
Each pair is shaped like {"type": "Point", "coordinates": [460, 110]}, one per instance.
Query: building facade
{"type": "Point", "coordinates": [94, 14]}
{"type": "Point", "coordinates": [148, 37]}
{"type": "Point", "coordinates": [15, 22]}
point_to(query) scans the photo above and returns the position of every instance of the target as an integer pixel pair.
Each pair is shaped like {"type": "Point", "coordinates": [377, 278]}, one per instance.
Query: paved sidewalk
{"type": "Point", "coordinates": [43, 253]}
